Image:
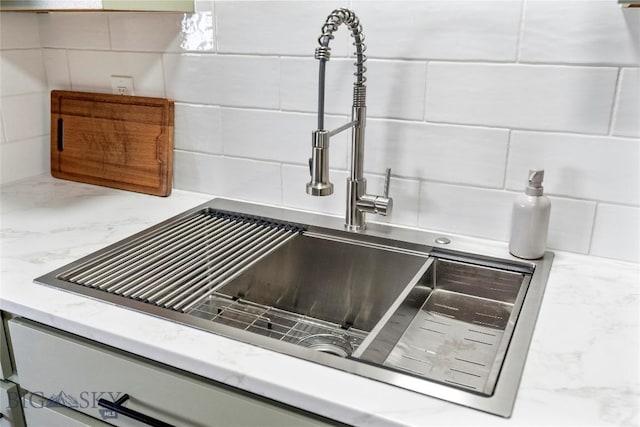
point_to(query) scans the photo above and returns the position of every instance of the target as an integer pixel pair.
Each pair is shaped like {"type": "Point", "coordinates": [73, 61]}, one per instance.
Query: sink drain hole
{"type": "Point", "coordinates": [327, 343]}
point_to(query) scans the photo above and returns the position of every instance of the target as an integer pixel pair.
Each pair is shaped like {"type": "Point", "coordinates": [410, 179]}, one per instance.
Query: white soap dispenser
{"type": "Point", "coordinates": [530, 219]}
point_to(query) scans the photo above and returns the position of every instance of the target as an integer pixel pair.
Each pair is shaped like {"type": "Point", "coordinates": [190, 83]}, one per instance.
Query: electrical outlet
{"type": "Point", "coordinates": [122, 85]}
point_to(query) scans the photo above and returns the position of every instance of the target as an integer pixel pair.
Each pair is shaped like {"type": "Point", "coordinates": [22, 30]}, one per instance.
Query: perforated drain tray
{"type": "Point", "coordinates": [461, 330]}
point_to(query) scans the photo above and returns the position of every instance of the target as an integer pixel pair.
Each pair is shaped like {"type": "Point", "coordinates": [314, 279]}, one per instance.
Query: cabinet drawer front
{"type": "Point", "coordinates": [43, 412]}
{"type": "Point", "coordinates": [78, 372]}
{"type": "Point", "coordinates": [10, 406]}
{"type": "Point", "coordinates": [5, 360]}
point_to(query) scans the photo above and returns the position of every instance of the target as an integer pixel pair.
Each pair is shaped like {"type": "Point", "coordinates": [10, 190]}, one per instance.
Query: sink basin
{"type": "Point", "coordinates": [347, 286]}
{"type": "Point", "coordinates": [384, 304]}
{"type": "Point", "coordinates": [337, 281]}
{"type": "Point", "coordinates": [461, 318]}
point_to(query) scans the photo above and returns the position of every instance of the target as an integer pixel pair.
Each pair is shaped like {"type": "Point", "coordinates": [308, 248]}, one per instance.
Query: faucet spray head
{"type": "Point", "coordinates": [319, 165]}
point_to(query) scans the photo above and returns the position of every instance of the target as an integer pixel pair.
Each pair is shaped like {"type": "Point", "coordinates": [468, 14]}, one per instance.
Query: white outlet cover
{"type": "Point", "coordinates": [122, 85]}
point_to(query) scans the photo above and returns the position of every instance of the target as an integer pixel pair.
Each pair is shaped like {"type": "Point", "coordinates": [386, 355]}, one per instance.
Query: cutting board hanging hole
{"type": "Point", "coordinates": [60, 134]}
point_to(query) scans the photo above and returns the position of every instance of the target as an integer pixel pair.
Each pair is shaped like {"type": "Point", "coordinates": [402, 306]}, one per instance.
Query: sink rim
{"type": "Point", "coordinates": [505, 393]}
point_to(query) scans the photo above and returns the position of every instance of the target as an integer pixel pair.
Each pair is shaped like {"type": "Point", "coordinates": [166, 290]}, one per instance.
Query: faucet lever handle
{"type": "Point", "coordinates": [387, 178]}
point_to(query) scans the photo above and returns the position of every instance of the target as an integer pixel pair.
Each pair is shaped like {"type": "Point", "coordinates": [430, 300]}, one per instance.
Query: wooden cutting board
{"type": "Point", "coordinates": [124, 142]}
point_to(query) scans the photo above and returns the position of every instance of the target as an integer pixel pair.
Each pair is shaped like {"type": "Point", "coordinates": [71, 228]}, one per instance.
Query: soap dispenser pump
{"type": "Point", "coordinates": [530, 219]}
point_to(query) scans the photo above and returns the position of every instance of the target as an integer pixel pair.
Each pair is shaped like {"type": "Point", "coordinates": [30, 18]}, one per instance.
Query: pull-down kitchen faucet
{"type": "Point", "coordinates": [358, 202]}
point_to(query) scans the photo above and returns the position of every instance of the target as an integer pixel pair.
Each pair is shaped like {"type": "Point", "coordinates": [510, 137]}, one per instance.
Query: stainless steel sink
{"type": "Point", "coordinates": [384, 303]}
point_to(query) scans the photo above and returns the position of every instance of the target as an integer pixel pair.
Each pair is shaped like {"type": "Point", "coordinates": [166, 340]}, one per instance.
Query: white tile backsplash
{"type": "Point", "coordinates": [465, 210]}
{"type": "Point", "coordinates": [162, 32]}
{"type": "Point", "coordinates": [608, 168]}
{"type": "Point", "coordinates": [450, 30]}
{"type": "Point", "coordinates": [198, 128]}
{"type": "Point", "coordinates": [238, 81]}
{"type": "Point", "coordinates": [197, 172]}
{"type": "Point", "coordinates": [22, 72]}
{"type": "Point", "coordinates": [153, 32]}
{"type": "Point", "coordinates": [580, 32]}
{"type": "Point", "coordinates": [299, 85]}
{"type": "Point", "coordinates": [276, 136]}
{"type": "Point", "coordinates": [56, 64]}
{"type": "Point", "coordinates": [627, 112]}
{"type": "Point", "coordinates": [570, 224]}
{"type": "Point", "coordinates": [198, 32]}
{"type": "Point", "coordinates": [449, 153]}
{"type": "Point", "coordinates": [276, 27]}
{"type": "Point", "coordinates": [25, 116]}
{"type": "Point", "coordinates": [24, 102]}
{"type": "Point", "coordinates": [617, 232]}
{"type": "Point", "coordinates": [19, 31]}
{"type": "Point", "coordinates": [572, 99]}
{"type": "Point", "coordinates": [394, 89]}
{"type": "Point", "coordinates": [69, 30]}
{"type": "Point", "coordinates": [22, 159]}
{"type": "Point", "coordinates": [464, 96]}
{"type": "Point", "coordinates": [92, 70]}
{"type": "Point", "coordinates": [226, 176]}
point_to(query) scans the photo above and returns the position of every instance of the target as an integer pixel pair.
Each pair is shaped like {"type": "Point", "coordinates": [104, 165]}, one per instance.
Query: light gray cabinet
{"type": "Point", "coordinates": [97, 5]}
{"type": "Point", "coordinates": [43, 412]}
{"type": "Point", "coordinates": [5, 360]}
{"type": "Point", "coordinates": [79, 373]}
{"type": "Point", "coordinates": [10, 407]}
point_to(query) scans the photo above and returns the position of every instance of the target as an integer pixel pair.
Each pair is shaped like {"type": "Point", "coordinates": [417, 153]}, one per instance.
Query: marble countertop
{"type": "Point", "coordinates": [582, 369]}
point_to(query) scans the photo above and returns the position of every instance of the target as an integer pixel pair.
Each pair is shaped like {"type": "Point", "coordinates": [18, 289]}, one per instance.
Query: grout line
{"type": "Point", "coordinates": [164, 79]}
{"type": "Point", "coordinates": [280, 85]}
{"type": "Point", "coordinates": [593, 227]}
{"type": "Point", "coordinates": [216, 27]}
{"type": "Point", "coordinates": [421, 180]}
{"type": "Point", "coordinates": [276, 55]}
{"type": "Point", "coordinates": [419, 201]}
{"type": "Point", "coordinates": [309, 56]}
{"type": "Point", "coordinates": [108, 17]}
{"type": "Point", "coordinates": [506, 160]}
{"type": "Point", "coordinates": [25, 140]}
{"type": "Point", "coordinates": [45, 92]}
{"type": "Point", "coordinates": [18, 49]}
{"type": "Point", "coordinates": [68, 62]}
{"type": "Point", "coordinates": [425, 92]}
{"type": "Point", "coordinates": [282, 184]}
{"type": "Point", "coordinates": [411, 121]}
{"type": "Point", "coordinates": [523, 5]}
{"type": "Point", "coordinates": [615, 101]}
